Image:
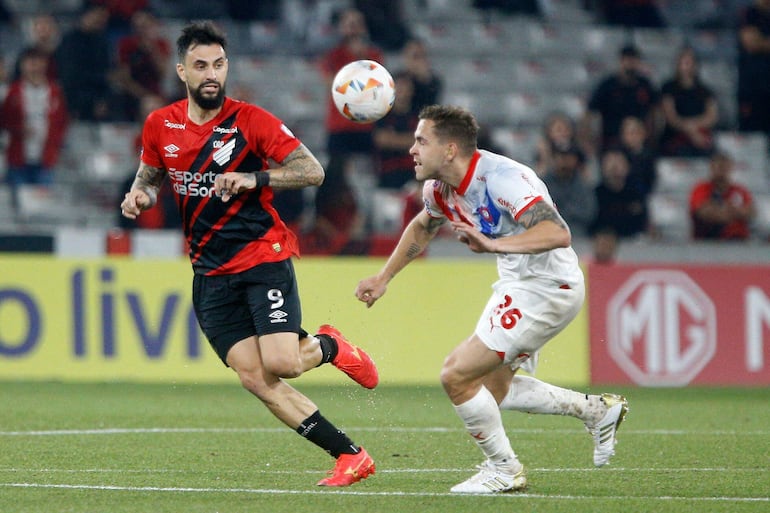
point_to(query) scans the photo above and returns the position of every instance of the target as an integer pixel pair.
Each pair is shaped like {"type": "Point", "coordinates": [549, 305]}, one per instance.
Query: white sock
{"type": "Point", "coordinates": [482, 419]}
{"type": "Point", "coordinates": [531, 395]}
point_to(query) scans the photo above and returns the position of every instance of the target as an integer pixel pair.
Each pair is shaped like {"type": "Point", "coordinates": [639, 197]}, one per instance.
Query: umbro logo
{"type": "Point", "coordinates": [278, 316]}
{"type": "Point", "coordinates": [171, 150]}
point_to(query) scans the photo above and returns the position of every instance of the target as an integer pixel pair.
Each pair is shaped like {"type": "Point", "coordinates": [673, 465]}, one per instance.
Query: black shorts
{"type": "Point", "coordinates": [259, 301]}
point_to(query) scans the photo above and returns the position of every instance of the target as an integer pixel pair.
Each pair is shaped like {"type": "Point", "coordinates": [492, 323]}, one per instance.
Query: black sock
{"type": "Point", "coordinates": [328, 348]}
{"type": "Point", "coordinates": [322, 433]}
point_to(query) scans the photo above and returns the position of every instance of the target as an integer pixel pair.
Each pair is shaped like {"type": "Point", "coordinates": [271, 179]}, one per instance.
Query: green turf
{"type": "Point", "coordinates": [165, 448]}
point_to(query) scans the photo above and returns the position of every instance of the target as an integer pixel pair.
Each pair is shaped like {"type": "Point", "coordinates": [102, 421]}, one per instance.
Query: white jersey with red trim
{"type": "Point", "coordinates": [495, 192]}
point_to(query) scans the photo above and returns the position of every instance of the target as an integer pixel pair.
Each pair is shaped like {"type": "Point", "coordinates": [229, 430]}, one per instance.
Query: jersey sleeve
{"type": "Point", "coordinates": [270, 135]}
{"type": "Point", "coordinates": [515, 192]}
{"type": "Point", "coordinates": [150, 154]}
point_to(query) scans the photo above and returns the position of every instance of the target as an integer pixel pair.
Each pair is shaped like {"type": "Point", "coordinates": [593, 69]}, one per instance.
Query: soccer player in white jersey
{"type": "Point", "coordinates": [497, 205]}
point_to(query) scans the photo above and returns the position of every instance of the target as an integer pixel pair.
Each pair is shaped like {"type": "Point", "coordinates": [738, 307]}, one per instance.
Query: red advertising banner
{"type": "Point", "coordinates": [674, 325]}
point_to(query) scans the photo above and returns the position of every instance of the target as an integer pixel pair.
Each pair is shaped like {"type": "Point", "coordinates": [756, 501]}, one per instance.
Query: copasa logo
{"type": "Point", "coordinates": [188, 183]}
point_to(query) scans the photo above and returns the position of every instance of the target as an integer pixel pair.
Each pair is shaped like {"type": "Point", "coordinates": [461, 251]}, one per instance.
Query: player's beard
{"type": "Point", "coordinates": [207, 102]}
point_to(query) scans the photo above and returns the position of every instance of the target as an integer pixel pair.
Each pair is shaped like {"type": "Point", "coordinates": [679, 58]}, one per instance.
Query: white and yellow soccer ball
{"type": "Point", "coordinates": [363, 91]}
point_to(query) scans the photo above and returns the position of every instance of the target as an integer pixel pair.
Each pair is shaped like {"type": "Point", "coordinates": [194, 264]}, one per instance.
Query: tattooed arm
{"type": "Point", "coordinates": [299, 169]}
{"type": "Point", "coordinates": [416, 237]}
{"type": "Point", "coordinates": [546, 230]}
{"type": "Point", "coordinates": [144, 191]}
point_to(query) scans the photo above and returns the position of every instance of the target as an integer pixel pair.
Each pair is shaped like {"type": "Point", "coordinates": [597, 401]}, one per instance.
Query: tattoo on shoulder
{"type": "Point", "coordinates": [541, 211]}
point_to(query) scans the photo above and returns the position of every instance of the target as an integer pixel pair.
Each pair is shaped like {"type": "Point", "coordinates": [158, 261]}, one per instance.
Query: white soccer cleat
{"type": "Point", "coordinates": [490, 479]}
{"type": "Point", "coordinates": [604, 430]}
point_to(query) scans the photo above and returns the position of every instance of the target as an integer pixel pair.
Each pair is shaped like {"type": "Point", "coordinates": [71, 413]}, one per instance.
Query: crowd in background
{"type": "Point", "coordinates": [113, 62]}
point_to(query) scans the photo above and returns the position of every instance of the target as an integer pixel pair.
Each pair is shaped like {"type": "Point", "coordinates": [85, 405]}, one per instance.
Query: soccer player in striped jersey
{"type": "Point", "coordinates": [219, 155]}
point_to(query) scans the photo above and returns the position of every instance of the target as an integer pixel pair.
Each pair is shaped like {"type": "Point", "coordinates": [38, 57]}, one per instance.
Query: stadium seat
{"type": "Point", "coordinates": [45, 205]}
{"type": "Point", "coordinates": [659, 45]}
{"type": "Point", "coordinates": [551, 74]}
{"type": "Point", "coordinates": [679, 175]}
{"type": "Point", "coordinates": [529, 108]}
{"type": "Point", "coordinates": [387, 211]}
{"type": "Point", "coordinates": [750, 153]}
{"type": "Point", "coordinates": [517, 143]}
{"type": "Point", "coordinates": [669, 216]}
{"type": "Point", "coordinates": [439, 10]}
{"type": "Point", "coordinates": [761, 225]}
{"type": "Point", "coordinates": [572, 39]}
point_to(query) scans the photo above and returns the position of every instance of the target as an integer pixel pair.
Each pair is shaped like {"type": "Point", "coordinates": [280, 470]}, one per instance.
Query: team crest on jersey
{"type": "Point", "coordinates": [223, 154]}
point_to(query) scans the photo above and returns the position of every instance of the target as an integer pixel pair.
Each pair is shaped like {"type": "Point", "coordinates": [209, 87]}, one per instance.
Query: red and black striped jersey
{"type": "Point", "coordinates": [224, 238]}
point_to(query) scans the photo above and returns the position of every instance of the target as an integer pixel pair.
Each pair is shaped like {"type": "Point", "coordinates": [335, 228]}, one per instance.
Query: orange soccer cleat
{"type": "Point", "coordinates": [349, 469]}
{"type": "Point", "coordinates": [352, 360]}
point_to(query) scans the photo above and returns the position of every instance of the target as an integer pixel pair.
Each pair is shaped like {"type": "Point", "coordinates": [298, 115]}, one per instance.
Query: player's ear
{"type": "Point", "coordinates": [451, 151]}
{"type": "Point", "coordinates": [180, 72]}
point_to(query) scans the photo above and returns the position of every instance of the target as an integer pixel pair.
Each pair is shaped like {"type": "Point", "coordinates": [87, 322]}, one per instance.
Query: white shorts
{"type": "Point", "coordinates": [521, 316]}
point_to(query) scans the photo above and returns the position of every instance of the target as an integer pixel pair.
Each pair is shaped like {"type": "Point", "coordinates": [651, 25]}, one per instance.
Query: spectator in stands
{"type": "Point", "coordinates": [143, 59]}
{"type": "Point", "coordinates": [6, 15]}
{"type": "Point", "coordinates": [386, 22]}
{"type": "Point", "coordinates": [754, 68]}
{"type": "Point", "coordinates": [605, 246]}
{"type": "Point", "coordinates": [35, 115]}
{"type": "Point", "coordinates": [428, 84]}
{"type": "Point", "coordinates": [347, 140]}
{"type": "Point", "coordinates": [642, 158]}
{"type": "Point", "coordinates": [558, 133]}
{"type": "Point", "coordinates": [508, 7]}
{"type": "Point", "coordinates": [120, 15]}
{"type": "Point", "coordinates": [570, 191]}
{"type": "Point", "coordinates": [627, 92]}
{"type": "Point", "coordinates": [4, 81]}
{"type": "Point", "coordinates": [621, 208]}
{"type": "Point", "coordinates": [394, 135]}
{"type": "Point", "coordinates": [83, 63]}
{"type": "Point", "coordinates": [720, 208]}
{"type": "Point", "coordinates": [338, 227]}
{"type": "Point", "coordinates": [249, 10]}
{"type": "Point", "coordinates": [345, 136]}
{"type": "Point", "coordinates": [44, 36]}
{"type": "Point", "coordinates": [631, 13]}
{"type": "Point", "coordinates": [690, 110]}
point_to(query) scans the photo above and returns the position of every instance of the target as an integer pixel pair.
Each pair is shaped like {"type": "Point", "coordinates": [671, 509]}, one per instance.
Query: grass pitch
{"type": "Point", "coordinates": [213, 448]}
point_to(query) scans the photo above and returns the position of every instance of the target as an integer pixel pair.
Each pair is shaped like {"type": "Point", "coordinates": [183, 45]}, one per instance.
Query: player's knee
{"type": "Point", "coordinates": [449, 377]}
{"type": "Point", "coordinates": [284, 367]}
{"type": "Point", "coordinates": [254, 383]}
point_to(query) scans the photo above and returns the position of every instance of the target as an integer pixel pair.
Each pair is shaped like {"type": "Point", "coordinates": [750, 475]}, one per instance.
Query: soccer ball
{"type": "Point", "coordinates": [363, 91]}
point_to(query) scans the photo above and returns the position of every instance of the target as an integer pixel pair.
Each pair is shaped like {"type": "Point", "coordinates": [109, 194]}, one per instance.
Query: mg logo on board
{"type": "Point", "coordinates": [661, 328]}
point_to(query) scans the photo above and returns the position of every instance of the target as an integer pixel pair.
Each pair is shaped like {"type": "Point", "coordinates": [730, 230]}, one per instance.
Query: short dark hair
{"type": "Point", "coordinates": [455, 123]}
{"type": "Point", "coordinates": [33, 52]}
{"type": "Point", "coordinates": [199, 33]}
{"type": "Point", "coordinates": [630, 50]}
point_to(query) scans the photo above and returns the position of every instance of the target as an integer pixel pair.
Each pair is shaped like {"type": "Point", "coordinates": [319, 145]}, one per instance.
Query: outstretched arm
{"type": "Point", "coordinates": [299, 169]}
{"type": "Point", "coordinates": [416, 237]}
